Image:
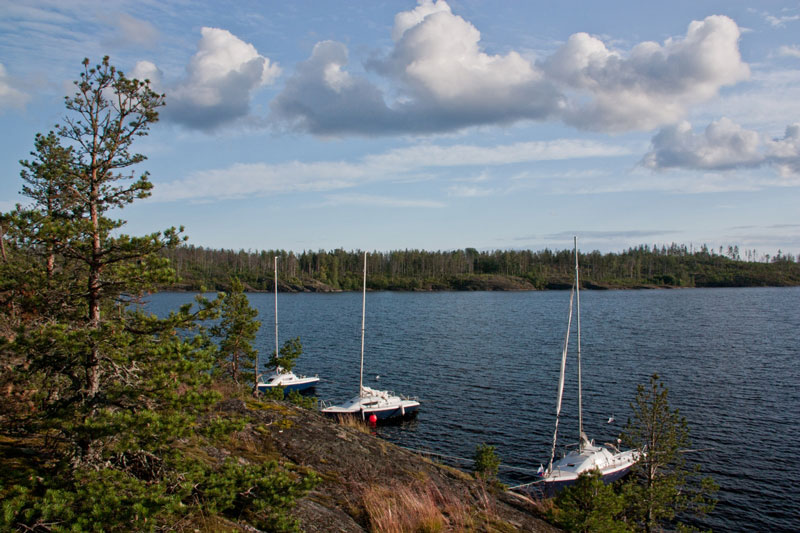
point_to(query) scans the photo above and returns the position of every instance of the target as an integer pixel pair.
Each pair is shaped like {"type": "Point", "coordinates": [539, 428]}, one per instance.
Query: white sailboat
{"type": "Point", "coordinates": [369, 403]}
{"type": "Point", "coordinates": [280, 377]}
{"type": "Point", "coordinates": [608, 459]}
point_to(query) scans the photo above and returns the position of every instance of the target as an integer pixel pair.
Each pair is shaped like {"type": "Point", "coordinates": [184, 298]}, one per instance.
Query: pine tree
{"type": "Point", "coordinates": [72, 277]}
{"type": "Point", "coordinates": [663, 490]}
{"type": "Point", "coordinates": [49, 183]}
{"type": "Point", "coordinates": [237, 330]}
{"type": "Point", "coordinates": [487, 462]}
{"type": "Point", "coordinates": [589, 506]}
{"type": "Point", "coordinates": [106, 396]}
{"type": "Point", "coordinates": [289, 352]}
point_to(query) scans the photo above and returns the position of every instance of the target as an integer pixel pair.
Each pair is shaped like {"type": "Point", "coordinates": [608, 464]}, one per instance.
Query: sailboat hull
{"type": "Point", "coordinates": [551, 488]}
{"type": "Point", "coordinates": [393, 409]}
{"type": "Point", "coordinates": [293, 383]}
{"type": "Point", "coordinates": [297, 387]}
{"type": "Point", "coordinates": [381, 414]}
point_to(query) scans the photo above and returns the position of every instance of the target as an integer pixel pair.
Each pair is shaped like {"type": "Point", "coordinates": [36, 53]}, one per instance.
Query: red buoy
{"type": "Point", "coordinates": [373, 419]}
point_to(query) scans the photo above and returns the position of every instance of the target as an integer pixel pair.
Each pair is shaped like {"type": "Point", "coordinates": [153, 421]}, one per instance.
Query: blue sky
{"type": "Point", "coordinates": [432, 125]}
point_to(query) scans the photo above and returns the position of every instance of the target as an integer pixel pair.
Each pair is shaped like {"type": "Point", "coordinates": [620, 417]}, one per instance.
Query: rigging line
{"type": "Point", "coordinates": [526, 484]}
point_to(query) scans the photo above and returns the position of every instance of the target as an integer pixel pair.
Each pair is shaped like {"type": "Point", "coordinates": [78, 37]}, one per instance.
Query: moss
{"type": "Point", "coordinates": [283, 424]}
{"type": "Point", "coordinates": [331, 476]}
{"type": "Point", "coordinates": [268, 405]}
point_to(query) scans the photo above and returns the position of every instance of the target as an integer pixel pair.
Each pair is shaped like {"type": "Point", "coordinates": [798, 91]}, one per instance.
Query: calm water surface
{"type": "Point", "coordinates": [485, 366]}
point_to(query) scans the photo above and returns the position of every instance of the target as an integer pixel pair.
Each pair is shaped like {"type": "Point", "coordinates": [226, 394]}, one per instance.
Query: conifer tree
{"type": "Point", "coordinates": [72, 277]}
{"type": "Point", "coordinates": [107, 114]}
{"type": "Point", "coordinates": [49, 184]}
{"type": "Point", "coordinates": [285, 359]}
{"type": "Point", "coordinates": [662, 490]}
{"type": "Point", "coordinates": [237, 330]}
{"type": "Point", "coordinates": [108, 396]}
{"type": "Point", "coordinates": [589, 506]}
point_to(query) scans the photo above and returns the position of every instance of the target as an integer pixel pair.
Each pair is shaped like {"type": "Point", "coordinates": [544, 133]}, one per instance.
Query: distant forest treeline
{"type": "Point", "coordinates": [470, 269]}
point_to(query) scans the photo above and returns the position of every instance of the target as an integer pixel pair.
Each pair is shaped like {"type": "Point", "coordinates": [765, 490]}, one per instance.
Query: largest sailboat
{"type": "Point", "coordinates": [380, 404]}
{"type": "Point", "coordinates": [586, 456]}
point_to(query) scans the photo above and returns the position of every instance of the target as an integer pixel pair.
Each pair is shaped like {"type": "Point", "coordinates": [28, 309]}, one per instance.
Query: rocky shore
{"type": "Point", "coordinates": [369, 484]}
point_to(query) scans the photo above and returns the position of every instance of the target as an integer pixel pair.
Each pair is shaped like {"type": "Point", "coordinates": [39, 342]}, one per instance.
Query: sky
{"type": "Point", "coordinates": [379, 125]}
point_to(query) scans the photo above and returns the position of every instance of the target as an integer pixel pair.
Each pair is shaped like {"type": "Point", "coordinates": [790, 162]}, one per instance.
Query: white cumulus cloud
{"type": "Point", "coordinates": [438, 77]}
{"type": "Point", "coordinates": [146, 70]}
{"type": "Point", "coordinates": [219, 83]}
{"type": "Point", "coordinates": [323, 98]}
{"type": "Point", "coordinates": [439, 61]}
{"type": "Point", "coordinates": [724, 145]}
{"type": "Point", "coordinates": [653, 84]}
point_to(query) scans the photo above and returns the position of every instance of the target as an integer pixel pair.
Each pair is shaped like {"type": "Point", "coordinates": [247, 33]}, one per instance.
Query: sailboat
{"type": "Point", "coordinates": [608, 459]}
{"type": "Point", "coordinates": [280, 377]}
{"type": "Point", "coordinates": [371, 404]}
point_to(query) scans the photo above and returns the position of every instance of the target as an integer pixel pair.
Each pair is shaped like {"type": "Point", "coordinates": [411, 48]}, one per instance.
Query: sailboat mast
{"type": "Point", "coordinates": [363, 315]}
{"type": "Point", "coordinates": [578, 302]}
{"type": "Point", "coordinates": [277, 354]}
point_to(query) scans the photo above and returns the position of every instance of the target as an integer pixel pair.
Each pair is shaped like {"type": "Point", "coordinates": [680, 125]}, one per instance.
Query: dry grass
{"type": "Point", "coordinates": [417, 508]}
{"type": "Point", "coordinates": [355, 423]}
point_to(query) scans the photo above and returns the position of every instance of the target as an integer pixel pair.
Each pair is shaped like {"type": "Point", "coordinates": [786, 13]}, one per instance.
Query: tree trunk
{"type": "Point", "coordinates": [95, 267]}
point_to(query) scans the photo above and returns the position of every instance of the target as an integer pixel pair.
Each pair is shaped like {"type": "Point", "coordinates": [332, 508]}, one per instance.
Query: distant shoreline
{"type": "Point", "coordinates": [284, 289]}
{"type": "Point", "coordinates": [639, 268]}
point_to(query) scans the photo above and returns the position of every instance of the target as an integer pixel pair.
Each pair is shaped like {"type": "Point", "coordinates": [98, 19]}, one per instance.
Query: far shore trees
{"type": "Point", "coordinates": [643, 266]}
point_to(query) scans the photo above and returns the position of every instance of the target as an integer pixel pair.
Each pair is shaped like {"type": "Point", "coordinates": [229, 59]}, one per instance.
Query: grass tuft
{"type": "Point", "coordinates": [416, 508]}
{"type": "Point", "coordinates": [355, 423]}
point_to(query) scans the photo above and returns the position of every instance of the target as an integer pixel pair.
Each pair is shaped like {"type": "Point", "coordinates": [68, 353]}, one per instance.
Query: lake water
{"type": "Point", "coordinates": [485, 367]}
